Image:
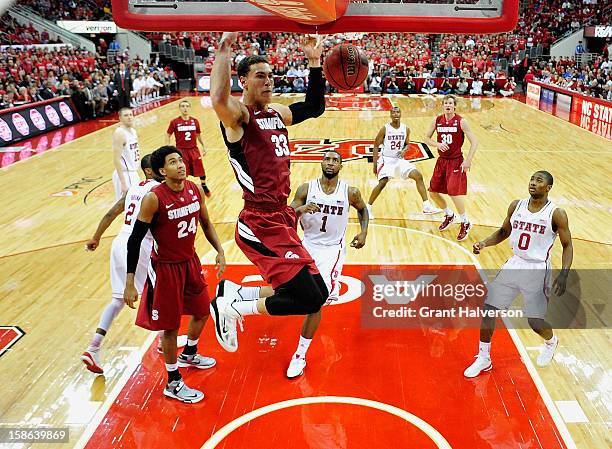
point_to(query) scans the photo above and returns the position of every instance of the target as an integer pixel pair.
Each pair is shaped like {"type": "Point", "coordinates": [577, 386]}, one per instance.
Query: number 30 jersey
{"type": "Point", "coordinates": [450, 133]}
{"type": "Point", "coordinates": [260, 159]}
{"type": "Point", "coordinates": [133, 201]}
{"type": "Point", "coordinates": [532, 235]}
{"type": "Point", "coordinates": [175, 225]}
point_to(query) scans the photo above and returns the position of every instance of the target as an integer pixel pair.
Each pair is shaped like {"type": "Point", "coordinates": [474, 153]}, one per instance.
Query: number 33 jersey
{"type": "Point", "coordinates": [133, 201]}
{"type": "Point", "coordinates": [176, 222]}
{"type": "Point", "coordinates": [260, 159]}
{"type": "Point", "coordinates": [328, 226]}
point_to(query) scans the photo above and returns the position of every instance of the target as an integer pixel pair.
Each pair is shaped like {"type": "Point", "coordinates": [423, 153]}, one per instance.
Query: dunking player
{"type": "Point", "coordinates": [126, 154]}
{"type": "Point", "coordinates": [450, 173]}
{"type": "Point", "coordinates": [118, 256]}
{"type": "Point", "coordinates": [322, 205]}
{"type": "Point", "coordinates": [256, 135]}
{"type": "Point", "coordinates": [175, 283]}
{"type": "Point", "coordinates": [186, 130]}
{"type": "Point", "coordinates": [396, 138]}
{"type": "Point", "coordinates": [532, 225]}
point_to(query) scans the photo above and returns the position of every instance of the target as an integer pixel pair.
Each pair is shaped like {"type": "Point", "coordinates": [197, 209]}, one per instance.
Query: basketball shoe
{"type": "Point", "coordinates": [177, 389]}
{"type": "Point", "coordinates": [448, 220]}
{"type": "Point", "coordinates": [225, 317]}
{"type": "Point", "coordinates": [91, 359]}
{"type": "Point", "coordinates": [296, 366]}
{"type": "Point", "coordinates": [481, 364]}
{"type": "Point", "coordinates": [464, 231]}
{"type": "Point", "coordinates": [428, 209]}
{"type": "Point", "coordinates": [195, 361]}
{"type": "Point", "coordinates": [547, 352]}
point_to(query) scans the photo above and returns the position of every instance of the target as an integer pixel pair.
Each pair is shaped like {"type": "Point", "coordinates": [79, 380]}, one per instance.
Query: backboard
{"type": "Point", "coordinates": [409, 16]}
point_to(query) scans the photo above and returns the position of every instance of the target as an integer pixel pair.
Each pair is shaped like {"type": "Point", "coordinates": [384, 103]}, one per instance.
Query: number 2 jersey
{"type": "Point", "coordinates": [185, 132]}
{"type": "Point", "coordinates": [450, 133]}
{"type": "Point", "coordinates": [175, 224]}
{"type": "Point", "coordinates": [532, 235]}
{"type": "Point", "coordinates": [260, 159]}
{"type": "Point", "coordinates": [133, 201]}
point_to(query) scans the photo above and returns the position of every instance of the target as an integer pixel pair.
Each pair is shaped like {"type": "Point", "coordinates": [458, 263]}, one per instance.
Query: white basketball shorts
{"type": "Point", "coordinates": [392, 167]}
{"type": "Point", "coordinates": [532, 279]}
{"type": "Point", "coordinates": [118, 264]}
{"type": "Point", "coordinates": [131, 178]}
{"type": "Point", "coordinates": [329, 260]}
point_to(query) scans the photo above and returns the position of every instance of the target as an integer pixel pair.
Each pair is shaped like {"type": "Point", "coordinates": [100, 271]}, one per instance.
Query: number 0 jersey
{"type": "Point", "coordinates": [260, 159]}
{"type": "Point", "coordinates": [175, 224]}
{"type": "Point", "coordinates": [327, 227]}
{"type": "Point", "coordinates": [532, 235]}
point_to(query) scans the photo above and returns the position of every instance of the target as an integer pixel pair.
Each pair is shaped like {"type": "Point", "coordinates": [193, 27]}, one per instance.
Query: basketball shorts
{"type": "Point", "coordinates": [118, 264]}
{"type": "Point", "coordinates": [131, 178]}
{"type": "Point", "coordinates": [193, 162]}
{"type": "Point", "coordinates": [329, 261]}
{"type": "Point", "coordinates": [448, 178]}
{"type": "Point", "coordinates": [270, 241]}
{"type": "Point", "coordinates": [172, 290]}
{"type": "Point", "coordinates": [519, 276]}
{"type": "Point", "coordinates": [392, 167]}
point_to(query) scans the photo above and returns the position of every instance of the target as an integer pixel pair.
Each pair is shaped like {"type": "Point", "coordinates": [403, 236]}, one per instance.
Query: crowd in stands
{"type": "Point", "coordinates": [71, 9]}
{"type": "Point", "coordinates": [37, 74]}
{"type": "Point", "coordinates": [12, 33]}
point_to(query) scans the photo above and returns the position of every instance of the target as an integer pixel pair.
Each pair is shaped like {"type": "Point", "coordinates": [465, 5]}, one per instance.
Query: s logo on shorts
{"type": "Point", "coordinates": [155, 315]}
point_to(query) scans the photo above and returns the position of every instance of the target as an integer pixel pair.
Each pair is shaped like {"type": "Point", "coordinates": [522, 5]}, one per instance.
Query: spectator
{"type": "Point", "coordinates": [392, 86]}
{"type": "Point", "coordinates": [462, 87]}
{"type": "Point", "coordinates": [579, 48]}
{"type": "Point", "coordinates": [489, 88]}
{"type": "Point", "coordinates": [508, 89]}
{"type": "Point", "coordinates": [476, 87]}
{"type": "Point", "coordinates": [446, 87]}
{"type": "Point", "coordinates": [375, 85]}
{"type": "Point", "coordinates": [409, 86]}
{"type": "Point", "coordinates": [298, 85]}
{"type": "Point", "coordinates": [429, 87]}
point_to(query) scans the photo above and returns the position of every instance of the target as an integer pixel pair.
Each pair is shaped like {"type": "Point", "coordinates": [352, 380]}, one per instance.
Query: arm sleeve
{"type": "Point", "coordinates": [133, 244]}
{"type": "Point", "coordinates": [314, 103]}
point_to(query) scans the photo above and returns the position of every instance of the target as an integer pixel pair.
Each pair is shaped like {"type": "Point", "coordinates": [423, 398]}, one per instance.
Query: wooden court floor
{"type": "Point", "coordinates": [55, 291]}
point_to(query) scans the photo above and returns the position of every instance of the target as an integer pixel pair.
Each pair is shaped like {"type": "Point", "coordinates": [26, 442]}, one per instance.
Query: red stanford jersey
{"type": "Point", "coordinates": [176, 222]}
{"type": "Point", "coordinates": [261, 158]}
{"type": "Point", "coordinates": [451, 134]}
{"type": "Point", "coordinates": [185, 132]}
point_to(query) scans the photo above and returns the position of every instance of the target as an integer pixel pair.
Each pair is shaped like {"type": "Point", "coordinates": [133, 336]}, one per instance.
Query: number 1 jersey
{"type": "Point", "coordinates": [260, 159]}
{"type": "Point", "coordinates": [176, 222]}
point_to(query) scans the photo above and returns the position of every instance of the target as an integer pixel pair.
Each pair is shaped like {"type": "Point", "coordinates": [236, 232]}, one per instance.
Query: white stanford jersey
{"type": "Point", "coordinates": [395, 138]}
{"type": "Point", "coordinates": [133, 201]}
{"type": "Point", "coordinates": [130, 156]}
{"type": "Point", "coordinates": [532, 236]}
{"type": "Point", "coordinates": [327, 227]}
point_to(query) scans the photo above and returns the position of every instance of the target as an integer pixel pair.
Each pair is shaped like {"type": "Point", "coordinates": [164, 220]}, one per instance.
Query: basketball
{"type": "Point", "coordinates": [346, 67]}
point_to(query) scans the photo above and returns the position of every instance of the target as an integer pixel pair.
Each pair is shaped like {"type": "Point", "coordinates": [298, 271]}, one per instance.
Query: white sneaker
{"type": "Point", "coordinates": [225, 318]}
{"type": "Point", "coordinates": [430, 210]}
{"type": "Point", "coordinates": [296, 366]}
{"type": "Point", "coordinates": [195, 361]}
{"type": "Point", "coordinates": [229, 289]}
{"type": "Point", "coordinates": [181, 341]}
{"type": "Point", "coordinates": [481, 364]}
{"type": "Point", "coordinates": [181, 392]}
{"type": "Point", "coordinates": [547, 352]}
{"type": "Point", "coordinates": [370, 213]}
{"type": "Point", "coordinates": [91, 359]}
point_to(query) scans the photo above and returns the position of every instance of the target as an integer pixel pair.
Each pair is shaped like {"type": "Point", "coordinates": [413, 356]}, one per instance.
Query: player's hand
{"type": "Point", "coordinates": [92, 244]}
{"type": "Point", "coordinates": [359, 240]}
{"type": "Point", "coordinates": [312, 47]}
{"type": "Point", "coordinates": [478, 246]}
{"type": "Point", "coordinates": [228, 39]}
{"type": "Point", "coordinates": [220, 264]}
{"type": "Point", "coordinates": [309, 208]}
{"type": "Point", "coordinates": [559, 284]}
{"type": "Point", "coordinates": [442, 146]}
{"type": "Point", "coordinates": [130, 295]}
{"type": "Point", "coordinates": [465, 166]}
{"type": "Point", "coordinates": [203, 152]}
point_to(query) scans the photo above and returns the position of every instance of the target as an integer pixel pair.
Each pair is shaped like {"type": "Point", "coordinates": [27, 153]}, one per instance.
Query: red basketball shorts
{"type": "Point", "coordinates": [172, 290]}
{"type": "Point", "coordinates": [193, 162]}
{"type": "Point", "coordinates": [448, 178]}
{"type": "Point", "coordinates": [271, 243]}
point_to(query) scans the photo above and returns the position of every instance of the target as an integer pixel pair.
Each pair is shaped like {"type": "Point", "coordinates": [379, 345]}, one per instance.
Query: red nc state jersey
{"type": "Point", "coordinates": [185, 132]}
{"type": "Point", "coordinates": [176, 222]}
{"type": "Point", "coordinates": [450, 133]}
{"type": "Point", "coordinates": [261, 158]}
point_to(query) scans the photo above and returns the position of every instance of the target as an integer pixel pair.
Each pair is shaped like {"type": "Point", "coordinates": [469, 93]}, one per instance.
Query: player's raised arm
{"type": "Point", "coordinates": [430, 141]}
{"type": "Point", "coordinates": [229, 110]}
{"type": "Point", "coordinates": [105, 222]}
{"type": "Point", "coordinates": [211, 235]}
{"type": "Point", "coordinates": [362, 211]}
{"type": "Point", "coordinates": [314, 103]}
{"type": "Point", "coordinates": [118, 143]}
{"type": "Point", "coordinates": [299, 202]}
{"type": "Point", "coordinates": [561, 225]}
{"type": "Point", "coordinates": [378, 141]}
{"type": "Point", "coordinates": [501, 234]}
{"type": "Point", "coordinates": [148, 209]}
{"type": "Point", "coordinates": [465, 166]}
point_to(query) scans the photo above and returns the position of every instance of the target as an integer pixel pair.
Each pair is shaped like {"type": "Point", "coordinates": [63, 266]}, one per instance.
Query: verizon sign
{"type": "Point", "coordinates": [87, 27]}
{"type": "Point", "coordinates": [601, 31]}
